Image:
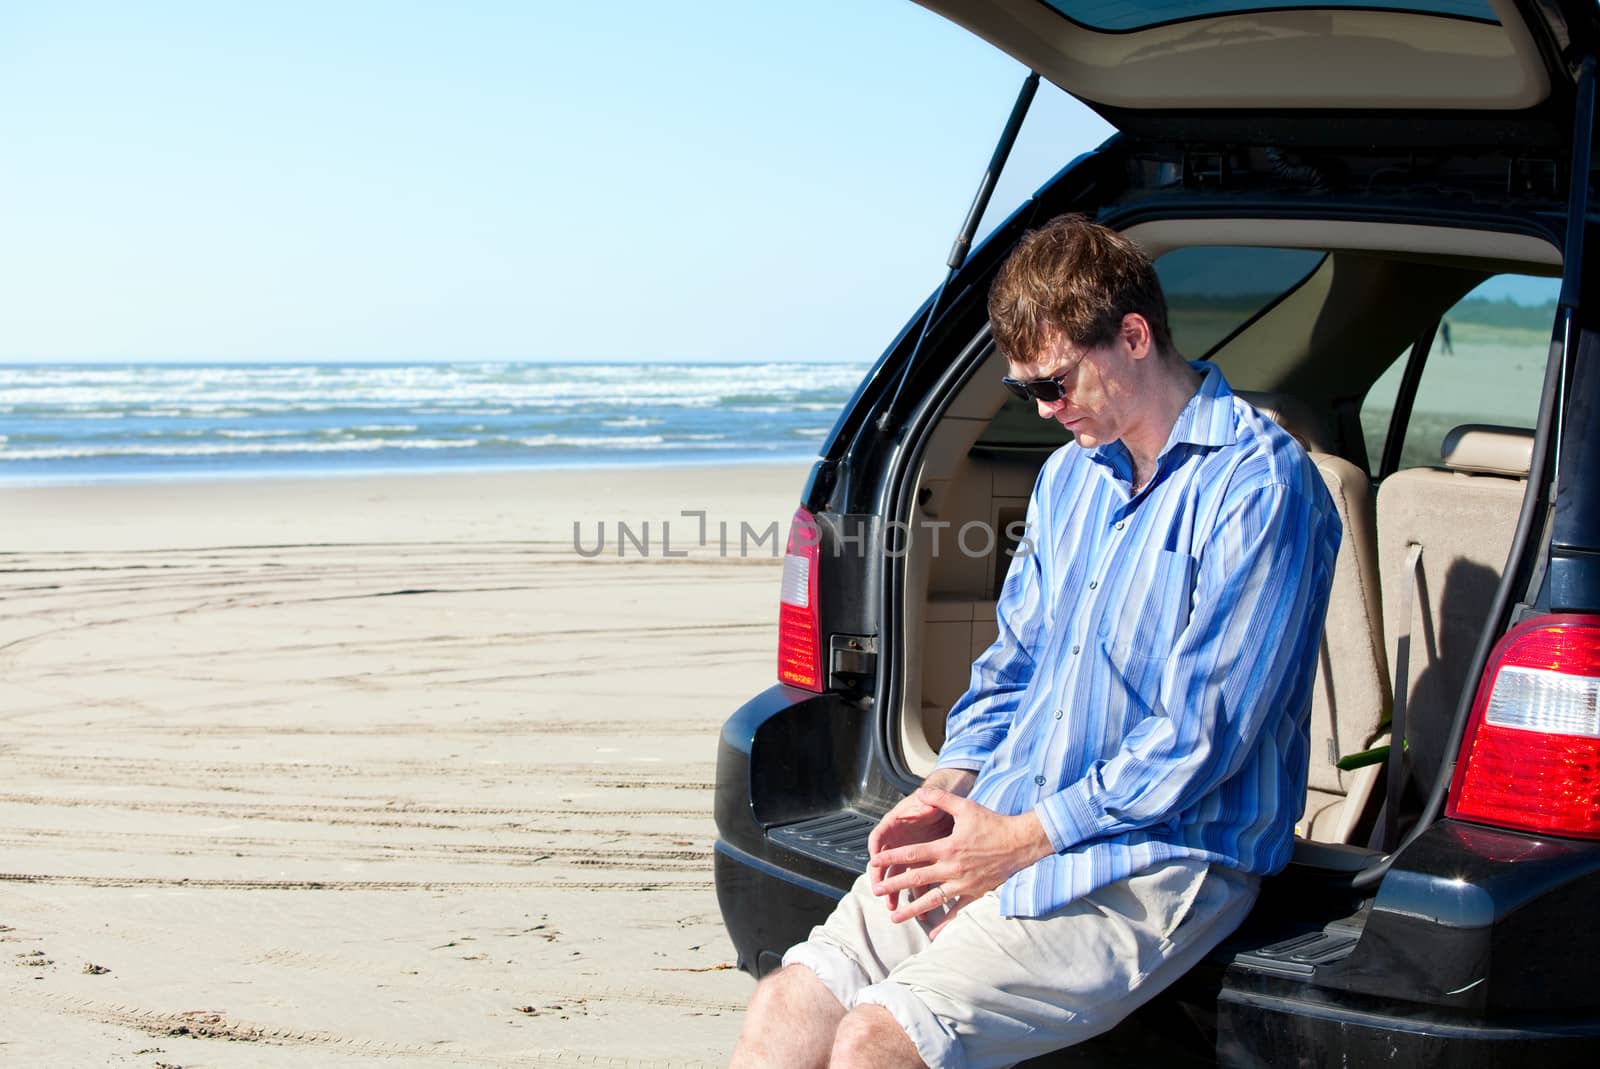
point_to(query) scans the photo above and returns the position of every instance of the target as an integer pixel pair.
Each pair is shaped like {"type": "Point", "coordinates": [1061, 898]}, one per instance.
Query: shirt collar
{"type": "Point", "coordinates": [1206, 421]}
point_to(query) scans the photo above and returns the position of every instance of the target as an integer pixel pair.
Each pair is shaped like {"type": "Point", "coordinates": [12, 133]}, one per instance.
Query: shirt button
{"type": "Point", "coordinates": [1038, 781]}
{"type": "Point", "coordinates": [1075, 650]}
{"type": "Point", "coordinates": [1058, 714]}
{"type": "Point", "coordinates": [1094, 584]}
{"type": "Point", "coordinates": [1120, 525]}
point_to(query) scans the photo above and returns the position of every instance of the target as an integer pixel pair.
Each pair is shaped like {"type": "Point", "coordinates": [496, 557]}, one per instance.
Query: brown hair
{"type": "Point", "coordinates": [1073, 279]}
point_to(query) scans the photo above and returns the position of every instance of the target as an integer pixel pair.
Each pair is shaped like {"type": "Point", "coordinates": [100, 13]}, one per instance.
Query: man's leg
{"type": "Point", "coordinates": [993, 991]}
{"type": "Point", "coordinates": [796, 1013]}
{"type": "Point", "coordinates": [870, 1038]}
{"type": "Point", "coordinates": [791, 1022]}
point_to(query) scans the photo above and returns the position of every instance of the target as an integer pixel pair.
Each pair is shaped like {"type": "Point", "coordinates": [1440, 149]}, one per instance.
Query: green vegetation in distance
{"type": "Point", "coordinates": [1504, 313]}
{"type": "Point", "coordinates": [1200, 322]}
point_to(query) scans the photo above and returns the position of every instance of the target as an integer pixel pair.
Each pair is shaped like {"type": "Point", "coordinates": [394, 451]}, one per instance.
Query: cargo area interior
{"type": "Point", "coordinates": [1363, 304]}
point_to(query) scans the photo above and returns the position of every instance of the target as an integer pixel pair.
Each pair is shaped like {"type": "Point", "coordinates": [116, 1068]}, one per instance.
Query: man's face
{"type": "Point", "coordinates": [1090, 388]}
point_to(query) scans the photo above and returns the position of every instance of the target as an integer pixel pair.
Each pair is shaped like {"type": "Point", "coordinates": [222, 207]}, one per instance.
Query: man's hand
{"type": "Point", "coordinates": [978, 851]}
{"type": "Point", "coordinates": [914, 821]}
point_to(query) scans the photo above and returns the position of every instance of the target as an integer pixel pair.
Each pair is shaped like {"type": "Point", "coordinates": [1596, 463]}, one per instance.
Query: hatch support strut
{"type": "Point", "coordinates": [969, 228]}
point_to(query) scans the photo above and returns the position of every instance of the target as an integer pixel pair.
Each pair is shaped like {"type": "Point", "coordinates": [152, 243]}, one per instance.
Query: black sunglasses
{"type": "Point", "coordinates": [1048, 390]}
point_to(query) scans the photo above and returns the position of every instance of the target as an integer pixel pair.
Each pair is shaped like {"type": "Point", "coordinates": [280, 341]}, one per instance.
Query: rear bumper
{"type": "Point", "coordinates": [1305, 1028]}
{"type": "Point", "coordinates": [1478, 950]}
{"type": "Point", "coordinates": [783, 757]}
{"type": "Point", "coordinates": [765, 908]}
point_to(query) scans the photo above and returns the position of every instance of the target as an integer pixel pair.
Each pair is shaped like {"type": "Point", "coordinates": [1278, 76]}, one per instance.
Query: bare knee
{"type": "Point", "coordinates": [790, 1021]}
{"type": "Point", "coordinates": [794, 989]}
{"type": "Point", "coordinates": [870, 1036]}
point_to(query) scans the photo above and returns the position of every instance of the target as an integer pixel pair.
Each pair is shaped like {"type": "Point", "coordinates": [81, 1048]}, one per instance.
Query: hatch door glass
{"type": "Point", "coordinates": [1125, 15]}
{"type": "Point", "coordinates": [1486, 365]}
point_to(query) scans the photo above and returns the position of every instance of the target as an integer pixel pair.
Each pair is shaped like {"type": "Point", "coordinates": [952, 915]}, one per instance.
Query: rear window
{"type": "Point", "coordinates": [1118, 15]}
{"type": "Point", "coordinates": [1213, 290]}
{"type": "Point", "coordinates": [1485, 365]}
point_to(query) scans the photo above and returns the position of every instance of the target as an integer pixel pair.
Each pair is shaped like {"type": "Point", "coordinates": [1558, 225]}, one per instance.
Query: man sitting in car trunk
{"type": "Point", "coordinates": [1131, 755]}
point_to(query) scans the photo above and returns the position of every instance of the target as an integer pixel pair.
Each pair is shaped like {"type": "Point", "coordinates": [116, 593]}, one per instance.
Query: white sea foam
{"type": "Point", "coordinates": [591, 442]}
{"type": "Point", "coordinates": [503, 413]}
{"type": "Point", "coordinates": [358, 445]}
{"type": "Point", "coordinates": [442, 386]}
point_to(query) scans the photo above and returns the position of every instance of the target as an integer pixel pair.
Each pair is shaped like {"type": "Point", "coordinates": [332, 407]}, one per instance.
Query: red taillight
{"type": "Point", "coordinates": [799, 633]}
{"type": "Point", "coordinates": [1530, 758]}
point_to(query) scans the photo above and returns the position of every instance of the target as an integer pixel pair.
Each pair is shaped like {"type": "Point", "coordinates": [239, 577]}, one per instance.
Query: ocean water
{"type": "Point", "coordinates": [91, 422]}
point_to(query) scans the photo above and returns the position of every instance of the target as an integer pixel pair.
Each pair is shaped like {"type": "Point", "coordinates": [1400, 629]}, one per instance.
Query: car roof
{"type": "Point", "coordinates": [1298, 72]}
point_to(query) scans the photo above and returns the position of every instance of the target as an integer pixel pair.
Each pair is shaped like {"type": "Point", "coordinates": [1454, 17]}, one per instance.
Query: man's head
{"type": "Point", "coordinates": [1078, 313]}
{"type": "Point", "coordinates": [1074, 281]}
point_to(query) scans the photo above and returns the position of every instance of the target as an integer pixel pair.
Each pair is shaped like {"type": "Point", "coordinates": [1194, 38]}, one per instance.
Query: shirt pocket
{"type": "Point", "coordinates": [1138, 634]}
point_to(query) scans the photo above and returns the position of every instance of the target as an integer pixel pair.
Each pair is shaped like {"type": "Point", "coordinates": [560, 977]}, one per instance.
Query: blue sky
{"type": "Point", "coordinates": [492, 180]}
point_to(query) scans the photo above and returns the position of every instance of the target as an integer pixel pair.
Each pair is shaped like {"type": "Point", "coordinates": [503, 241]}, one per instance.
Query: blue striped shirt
{"type": "Point", "coordinates": [1149, 692]}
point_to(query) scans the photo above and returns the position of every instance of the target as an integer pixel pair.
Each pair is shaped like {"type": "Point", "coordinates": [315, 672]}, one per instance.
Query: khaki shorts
{"type": "Point", "coordinates": [993, 990]}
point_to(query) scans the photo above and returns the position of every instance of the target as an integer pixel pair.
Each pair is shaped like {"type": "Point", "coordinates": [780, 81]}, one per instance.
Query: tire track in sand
{"type": "Point", "coordinates": [205, 1024]}
{"type": "Point", "coordinates": [246, 884]}
{"type": "Point", "coordinates": [309, 812]}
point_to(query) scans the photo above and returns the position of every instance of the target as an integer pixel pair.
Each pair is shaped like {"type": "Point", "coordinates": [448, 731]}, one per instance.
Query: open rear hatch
{"type": "Point", "coordinates": [1360, 72]}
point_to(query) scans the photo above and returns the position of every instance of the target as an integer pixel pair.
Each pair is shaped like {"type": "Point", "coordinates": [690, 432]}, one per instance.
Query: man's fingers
{"type": "Point", "coordinates": [910, 811]}
{"type": "Point", "coordinates": [897, 878]}
{"type": "Point", "coordinates": [913, 854]}
{"type": "Point", "coordinates": [909, 869]}
{"type": "Point", "coordinates": [929, 900]}
{"type": "Point", "coordinates": [889, 875]}
{"type": "Point", "coordinates": [899, 887]}
{"type": "Point", "coordinates": [943, 801]}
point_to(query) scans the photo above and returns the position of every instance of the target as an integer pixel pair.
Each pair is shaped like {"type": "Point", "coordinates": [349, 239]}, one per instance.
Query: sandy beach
{"type": "Point", "coordinates": [378, 770]}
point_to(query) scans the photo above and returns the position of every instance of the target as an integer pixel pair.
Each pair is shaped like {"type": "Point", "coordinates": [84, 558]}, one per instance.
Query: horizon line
{"type": "Point", "coordinates": [282, 361]}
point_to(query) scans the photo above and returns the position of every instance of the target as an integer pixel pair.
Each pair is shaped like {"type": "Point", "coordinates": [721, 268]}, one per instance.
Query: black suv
{"type": "Point", "coordinates": [1374, 218]}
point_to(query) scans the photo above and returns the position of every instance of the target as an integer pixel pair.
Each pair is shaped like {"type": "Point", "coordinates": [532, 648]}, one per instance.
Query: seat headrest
{"type": "Point", "coordinates": [1483, 449]}
{"type": "Point", "coordinates": [1293, 415]}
